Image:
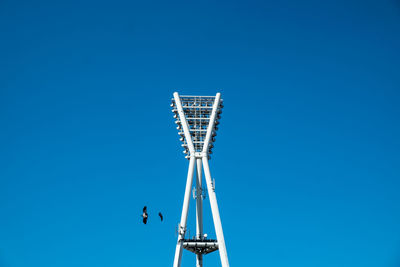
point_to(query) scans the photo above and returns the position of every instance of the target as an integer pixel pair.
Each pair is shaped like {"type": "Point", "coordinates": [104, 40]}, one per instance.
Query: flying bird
{"type": "Point", "coordinates": [161, 217]}
{"type": "Point", "coordinates": [145, 215]}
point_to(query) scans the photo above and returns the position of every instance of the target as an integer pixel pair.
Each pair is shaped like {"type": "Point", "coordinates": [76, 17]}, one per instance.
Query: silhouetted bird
{"type": "Point", "coordinates": [161, 217]}
{"type": "Point", "coordinates": [145, 215]}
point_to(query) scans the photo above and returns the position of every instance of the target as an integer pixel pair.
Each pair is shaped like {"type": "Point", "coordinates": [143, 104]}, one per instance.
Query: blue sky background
{"type": "Point", "coordinates": [306, 162]}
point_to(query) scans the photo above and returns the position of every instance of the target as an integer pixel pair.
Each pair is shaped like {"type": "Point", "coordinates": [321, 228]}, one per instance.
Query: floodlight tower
{"type": "Point", "coordinates": [197, 119]}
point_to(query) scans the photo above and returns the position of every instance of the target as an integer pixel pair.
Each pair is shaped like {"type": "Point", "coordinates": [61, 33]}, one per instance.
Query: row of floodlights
{"type": "Point", "coordinates": [196, 103]}
{"type": "Point", "coordinates": [195, 126]}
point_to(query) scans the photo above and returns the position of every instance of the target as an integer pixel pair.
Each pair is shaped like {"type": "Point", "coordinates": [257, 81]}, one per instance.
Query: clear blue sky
{"type": "Point", "coordinates": [306, 162]}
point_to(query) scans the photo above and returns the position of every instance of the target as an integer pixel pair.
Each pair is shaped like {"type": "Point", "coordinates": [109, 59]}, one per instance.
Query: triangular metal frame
{"type": "Point", "coordinates": [199, 160]}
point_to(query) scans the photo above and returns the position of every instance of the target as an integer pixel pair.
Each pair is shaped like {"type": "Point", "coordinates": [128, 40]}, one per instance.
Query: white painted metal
{"type": "Point", "coordinates": [215, 213]}
{"type": "Point", "coordinates": [184, 122]}
{"type": "Point", "coordinates": [211, 123]}
{"type": "Point", "coordinates": [185, 209]}
{"type": "Point", "coordinates": [199, 210]}
{"type": "Point", "coordinates": [195, 114]}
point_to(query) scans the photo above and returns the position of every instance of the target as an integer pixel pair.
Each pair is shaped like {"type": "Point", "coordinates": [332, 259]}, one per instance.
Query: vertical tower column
{"type": "Point", "coordinates": [199, 210]}
{"type": "Point", "coordinates": [215, 214]}
{"type": "Point", "coordinates": [182, 225]}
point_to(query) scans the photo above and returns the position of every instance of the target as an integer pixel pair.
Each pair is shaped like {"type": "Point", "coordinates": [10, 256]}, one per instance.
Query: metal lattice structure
{"type": "Point", "coordinates": [197, 119]}
{"type": "Point", "coordinates": [197, 111]}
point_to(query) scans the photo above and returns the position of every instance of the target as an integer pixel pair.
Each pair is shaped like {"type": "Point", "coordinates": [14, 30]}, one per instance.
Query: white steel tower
{"type": "Point", "coordinates": [197, 119]}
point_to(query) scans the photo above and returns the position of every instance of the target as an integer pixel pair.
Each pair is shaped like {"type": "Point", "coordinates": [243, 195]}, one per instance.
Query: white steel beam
{"type": "Point", "coordinates": [215, 214]}
{"type": "Point", "coordinates": [185, 209]}
{"type": "Point", "coordinates": [199, 209]}
{"type": "Point", "coordinates": [211, 123]}
{"type": "Point", "coordinates": [185, 126]}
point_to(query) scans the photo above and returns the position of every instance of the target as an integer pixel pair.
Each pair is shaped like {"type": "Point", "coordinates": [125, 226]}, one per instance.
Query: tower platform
{"type": "Point", "coordinates": [199, 246]}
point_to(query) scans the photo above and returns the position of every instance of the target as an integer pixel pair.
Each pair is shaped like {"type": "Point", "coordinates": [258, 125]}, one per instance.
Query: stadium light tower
{"type": "Point", "coordinates": [197, 118]}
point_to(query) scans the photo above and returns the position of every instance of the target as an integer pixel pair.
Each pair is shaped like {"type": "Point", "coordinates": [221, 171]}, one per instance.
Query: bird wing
{"type": "Point", "coordinates": [145, 209]}
{"type": "Point", "coordinates": [145, 220]}
{"type": "Point", "coordinates": [159, 214]}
